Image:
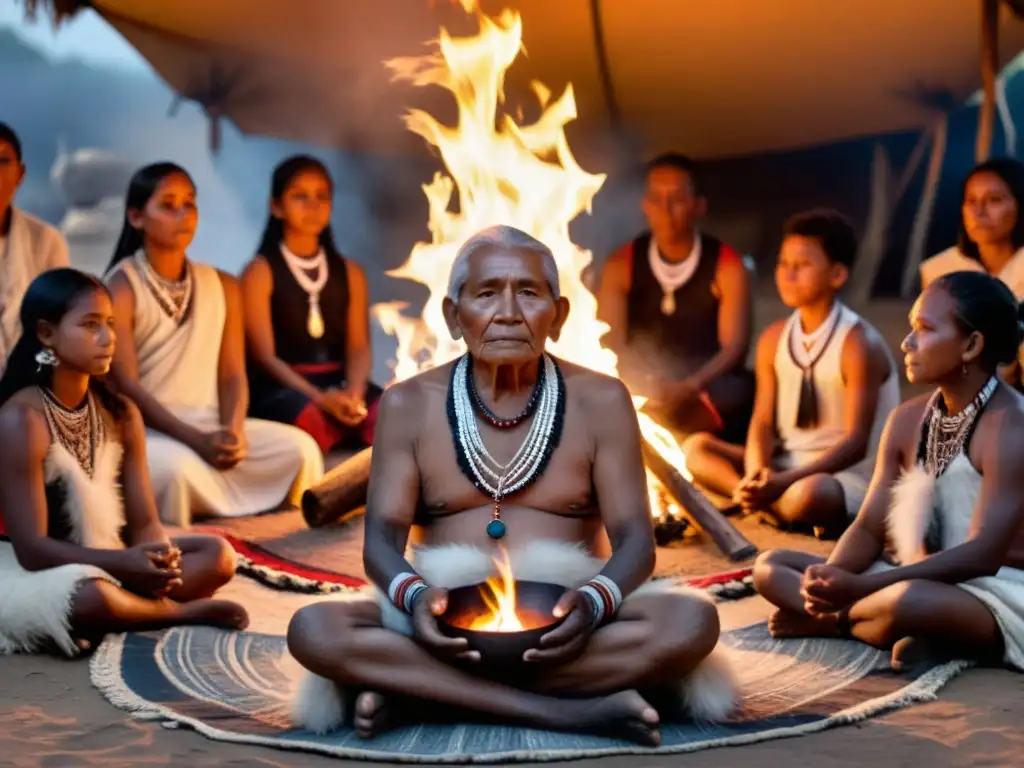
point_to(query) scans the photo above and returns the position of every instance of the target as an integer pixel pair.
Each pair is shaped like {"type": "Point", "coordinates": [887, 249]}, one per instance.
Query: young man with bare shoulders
{"type": "Point", "coordinates": [509, 450]}
{"type": "Point", "coordinates": [826, 383]}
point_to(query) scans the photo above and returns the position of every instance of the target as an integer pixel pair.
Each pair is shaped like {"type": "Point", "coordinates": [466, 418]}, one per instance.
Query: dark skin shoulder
{"type": "Point", "coordinates": [24, 444]}
{"type": "Point", "coordinates": [395, 484]}
{"type": "Point", "coordinates": [617, 470]}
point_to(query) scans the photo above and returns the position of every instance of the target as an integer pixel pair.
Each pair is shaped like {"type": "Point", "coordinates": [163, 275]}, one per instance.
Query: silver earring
{"type": "Point", "coordinates": [963, 370]}
{"type": "Point", "coordinates": [45, 356]}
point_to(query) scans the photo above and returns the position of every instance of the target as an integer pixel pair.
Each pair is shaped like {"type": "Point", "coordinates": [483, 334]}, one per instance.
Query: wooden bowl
{"type": "Point", "coordinates": [502, 651]}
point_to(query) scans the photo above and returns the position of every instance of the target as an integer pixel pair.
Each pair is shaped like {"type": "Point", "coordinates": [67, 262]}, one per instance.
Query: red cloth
{"type": "Point", "coordinates": [328, 433]}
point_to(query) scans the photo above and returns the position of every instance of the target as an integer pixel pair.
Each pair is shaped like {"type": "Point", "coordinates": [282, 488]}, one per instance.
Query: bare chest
{"type": "Point", "coordinates": [564, 486]}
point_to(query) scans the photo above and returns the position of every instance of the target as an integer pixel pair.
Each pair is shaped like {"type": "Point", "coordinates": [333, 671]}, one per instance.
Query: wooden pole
{"type": "Point", "coordinates": [989, 72]}
{"type": "Point", "coordinates": [876, 228]}
{"type": "Point", "coordinates": [730, 541]}
{"type": "Point", "coordinates": [925, 209]}
{"type": "Point", "coordinates": [340, 494]}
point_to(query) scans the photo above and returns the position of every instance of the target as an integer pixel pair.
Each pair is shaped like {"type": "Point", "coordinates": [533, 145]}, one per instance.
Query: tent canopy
{"type": "Point", "coordinates": [713, 79]}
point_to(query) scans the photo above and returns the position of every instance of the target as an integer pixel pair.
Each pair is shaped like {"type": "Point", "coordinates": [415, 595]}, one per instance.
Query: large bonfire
{"type": "Point", "coordinates": [502, 172]}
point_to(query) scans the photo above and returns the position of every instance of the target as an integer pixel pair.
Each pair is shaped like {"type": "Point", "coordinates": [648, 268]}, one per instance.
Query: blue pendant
{"type": "Point", "coordinates": [496, 529]}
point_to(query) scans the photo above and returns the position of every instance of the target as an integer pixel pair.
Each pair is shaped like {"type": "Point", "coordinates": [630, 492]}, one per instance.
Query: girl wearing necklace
{"type": "Point", "coordinates": [307, 316]}
{"type": "Point", "coordinates": [182, 360]}
{"type": "Point", "coordinates": [934, 562]}
{"type": "Point", "coordinates": [76, 561]}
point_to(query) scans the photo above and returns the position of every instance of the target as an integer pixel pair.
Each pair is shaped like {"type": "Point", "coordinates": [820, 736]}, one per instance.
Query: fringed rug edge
{"type": "Point", "coordinates": [105, 674]}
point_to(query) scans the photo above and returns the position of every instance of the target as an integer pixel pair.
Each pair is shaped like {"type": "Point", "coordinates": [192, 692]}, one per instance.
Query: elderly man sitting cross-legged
{"type": "Point", "coordinates": [508, 448]}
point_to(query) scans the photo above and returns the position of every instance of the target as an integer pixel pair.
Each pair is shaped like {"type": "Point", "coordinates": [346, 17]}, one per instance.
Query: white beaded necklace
{"type": "Point", "coordinates": [300, 269]}
{"type": "Point", "coordinates": [173, 296]}
{"type": "Point", "coordinates": [672, 275]}
{"type": "Point", "coordinates": [491, 476]}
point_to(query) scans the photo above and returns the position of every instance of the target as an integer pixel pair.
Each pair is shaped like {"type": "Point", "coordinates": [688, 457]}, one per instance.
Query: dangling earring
{"type": "Point", "coordinates": [963, 370]}
{"type": "Point", "coordinates": [45, 356]}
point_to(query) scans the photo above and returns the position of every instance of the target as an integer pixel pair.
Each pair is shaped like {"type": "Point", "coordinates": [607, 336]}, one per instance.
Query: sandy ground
{"type": "Point", "coordinates": [51, 716]}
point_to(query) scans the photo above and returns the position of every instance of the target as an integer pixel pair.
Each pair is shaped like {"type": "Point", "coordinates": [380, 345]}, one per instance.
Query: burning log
{"type": "Point", "coordinates": [341, 492]}
{"type": "Point", "coordinates": [702, 512]}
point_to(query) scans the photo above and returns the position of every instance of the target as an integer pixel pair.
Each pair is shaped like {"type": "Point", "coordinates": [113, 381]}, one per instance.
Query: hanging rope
{"type": "Point", "coordinates": [604, 71]}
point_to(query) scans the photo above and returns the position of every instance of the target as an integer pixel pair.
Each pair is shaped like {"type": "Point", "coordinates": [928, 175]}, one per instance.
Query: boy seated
{"type": "Point", "coordinates": [826, 383]}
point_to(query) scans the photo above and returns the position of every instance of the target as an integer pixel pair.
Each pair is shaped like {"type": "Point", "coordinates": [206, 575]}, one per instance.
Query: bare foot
{"type": "Point", "coordinates": [625, 715]}
{"type": "Point", "coordinates": [908, 652]}
{"type": "Point", "coordinates": [216, 613]}
{"type": "Point", "coordinates": [784, 624]}
{"type": "Point", "coordinates": [372, 714]}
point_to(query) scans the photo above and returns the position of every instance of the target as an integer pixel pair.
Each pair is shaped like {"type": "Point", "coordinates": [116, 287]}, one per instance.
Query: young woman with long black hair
{"type": "Point", "coordinates": [77, 561]}
{"type": "Point", "coordinates": [182, 359]}
{"type": "Point", "coordinates": [307, 316]}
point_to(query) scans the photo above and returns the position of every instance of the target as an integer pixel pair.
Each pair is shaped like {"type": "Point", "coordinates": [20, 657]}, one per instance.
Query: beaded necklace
{"type": "Point", "coordinates": [496, 479]}
{"type": "Point", "coordinates": [945, 436]}
{"type": "Point", "coordinates": [79, 430]}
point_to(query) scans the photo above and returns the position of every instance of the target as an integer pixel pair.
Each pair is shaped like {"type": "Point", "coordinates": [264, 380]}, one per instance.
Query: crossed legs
{"type": "Point", "coordinates": [207, 563]}
{"type": "Point", "coordinates": [817, 500]}
{"type": "Point", "coordinates": [655, 638]}
{"type": "Point", "coordinates": [941, 615]}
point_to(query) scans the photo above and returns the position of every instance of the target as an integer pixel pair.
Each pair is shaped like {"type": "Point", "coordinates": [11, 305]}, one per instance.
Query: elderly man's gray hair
{"type": "Point", "coordinates": [506, 238]}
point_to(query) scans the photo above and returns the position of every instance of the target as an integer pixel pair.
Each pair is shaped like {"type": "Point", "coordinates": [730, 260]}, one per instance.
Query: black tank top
{"type": "Point", "coordinates": [680, 343]}
{"type": "Point", "coordinates": [289, 313]}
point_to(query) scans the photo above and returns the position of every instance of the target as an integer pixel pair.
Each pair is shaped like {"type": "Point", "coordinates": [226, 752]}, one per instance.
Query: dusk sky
{"type": "Point", "coordinates": [87, 37]}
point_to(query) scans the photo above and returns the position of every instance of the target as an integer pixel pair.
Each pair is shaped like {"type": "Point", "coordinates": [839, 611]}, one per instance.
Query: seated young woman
{"type": "Point", "coordinates": [826, 383]}
{"type": "Point", "coordinates": [77, 562]}
{"type": "Point", "coordinates": [934, 561]}
{"type": "Point", "coordinates": [182, 359]}
{"type": "Point", "coordinates": [307, 317]}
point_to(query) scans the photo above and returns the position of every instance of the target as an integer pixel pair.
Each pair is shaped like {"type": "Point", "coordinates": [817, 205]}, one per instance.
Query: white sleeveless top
{"type": "Point", "coordinates": [830, 386]}
{"type": "Point", "coordinates": [178, 364]}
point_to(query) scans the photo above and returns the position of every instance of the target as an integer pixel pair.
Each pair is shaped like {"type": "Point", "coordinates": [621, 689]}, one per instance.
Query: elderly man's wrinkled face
{"type": "Point", "coordinates": [506, 310]}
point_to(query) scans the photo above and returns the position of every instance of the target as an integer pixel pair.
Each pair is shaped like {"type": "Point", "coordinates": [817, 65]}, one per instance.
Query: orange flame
{"type": "Point", "coordinates": [499, 595]}
{"type": "Point", "coordinates": [505, 172]}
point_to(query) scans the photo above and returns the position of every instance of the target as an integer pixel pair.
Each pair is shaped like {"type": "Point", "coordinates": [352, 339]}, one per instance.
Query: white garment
{"type": "Point", "coordinates": [178, 365]}
{"type": "Point", "coordinates": [709, 692]}
{"type": "Point", "coordinates": [952, 260]}
{"type": "Point", "coordinates": [801, 446]}
{"type": "Point", "coordinates": [35, 606]}
{"type": "Point", "coordinates": [951, 500]}
{"type": "Point", "coordinates": [31, 247]}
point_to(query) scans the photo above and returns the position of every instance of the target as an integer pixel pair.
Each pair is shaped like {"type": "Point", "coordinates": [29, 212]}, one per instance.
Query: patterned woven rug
{"type": "Point", "coordinates": [235, 687]}
{"type": "Point", "coordinates": [277, 572]}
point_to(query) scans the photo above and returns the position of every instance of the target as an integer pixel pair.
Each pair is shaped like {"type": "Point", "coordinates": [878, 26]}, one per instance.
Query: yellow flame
{"type": "Point", "coordinates": [499, 595]}
{"type": "Point", "coordinates": [502, 172]}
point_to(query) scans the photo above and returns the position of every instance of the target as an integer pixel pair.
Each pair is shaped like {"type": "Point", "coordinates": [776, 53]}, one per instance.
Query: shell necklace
{"type": "Point", "coordinates": [300, 269]}
{"type": "Point", "coordinates": [490, 476]}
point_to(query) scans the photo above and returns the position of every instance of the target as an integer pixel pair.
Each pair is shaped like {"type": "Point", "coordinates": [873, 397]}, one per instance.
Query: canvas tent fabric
{"type": "Point", "coordinates": [712, 78]}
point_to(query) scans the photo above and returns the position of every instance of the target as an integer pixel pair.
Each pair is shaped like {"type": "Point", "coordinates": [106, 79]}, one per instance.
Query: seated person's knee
{"type": "Point", "coordinates": [687, 628]}
{"type": "Point", "coordinates": [696, 445]}
{"type": "Point", "coordinates": [319, 633]}
{"type": "Point", "coordinates": [223, 560]}
{"type": "Point", "coordinates": [767, 564]}
{"type": "Point", "coordinates": [802, 499]}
